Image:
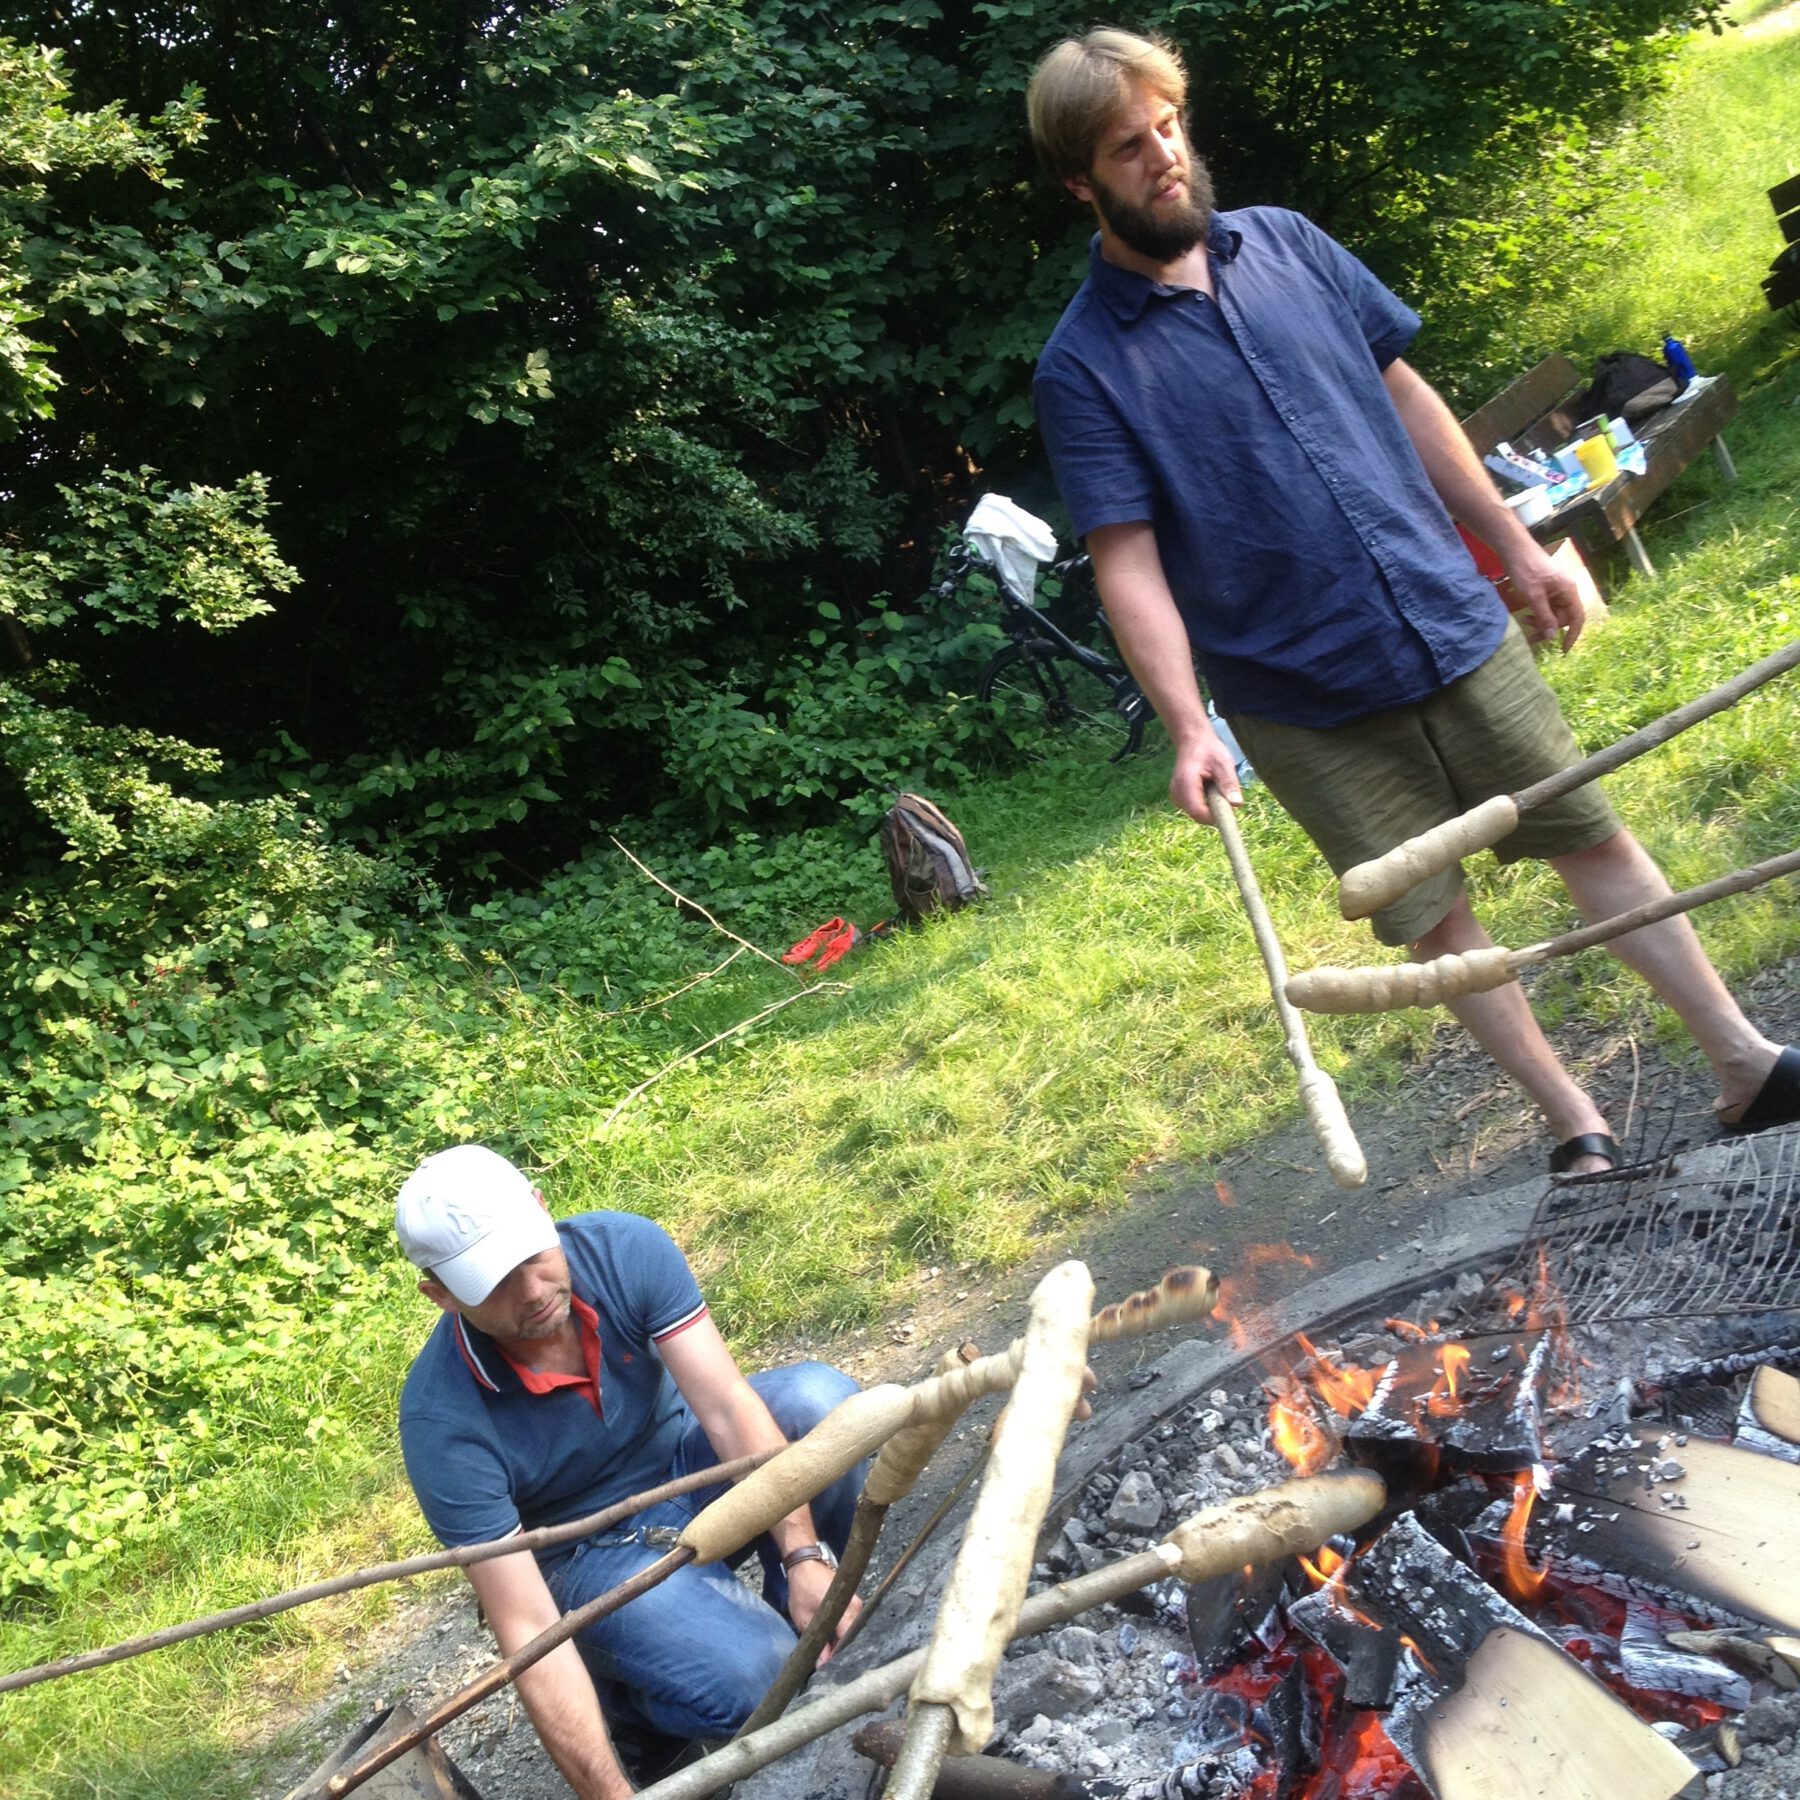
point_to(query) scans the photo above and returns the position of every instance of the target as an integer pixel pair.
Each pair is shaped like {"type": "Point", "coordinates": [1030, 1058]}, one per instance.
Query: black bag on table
{"type": "Point", "coordinates": [1625, 386]}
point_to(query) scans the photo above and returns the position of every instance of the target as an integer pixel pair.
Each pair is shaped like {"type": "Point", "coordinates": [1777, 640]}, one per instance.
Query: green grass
{"type": "Point", "coordinates": [991, 1085]}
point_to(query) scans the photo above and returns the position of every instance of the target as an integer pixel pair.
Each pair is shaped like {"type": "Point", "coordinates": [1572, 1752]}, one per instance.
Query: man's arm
{"type": "Point", "coordinates": [1154, 641]}
{"type": "Point", "coordinates": [1550, 596]}
{"type": "Point", "coordinates": [737, 1423]}
{"type": "Point", "coordinates": [558, 1695]}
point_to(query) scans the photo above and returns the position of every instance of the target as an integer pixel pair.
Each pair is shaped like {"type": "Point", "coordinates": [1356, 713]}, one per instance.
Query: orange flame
{"type": "Point", "coordinates": [1445, 1396]}
{"type": "Point", "coordinates": [1222, 1188]}
{"type": "Point", "coordinates": [1325, 1568]}
{"type": "Point", "coordinates": [1296, 1433]}
{"type": "Point", "coordinates": [1251, 1282]}
{"type": "Point", "coordinates": [1523, 1581]}
{"type": "Point", "coordinates": [1345, 1391]}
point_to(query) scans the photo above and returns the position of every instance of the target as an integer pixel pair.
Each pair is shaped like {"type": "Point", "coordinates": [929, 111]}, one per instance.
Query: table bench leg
{"type": "Point", "coordinates": [1640, 557]}
{"type": "Point", "coordinates": [1722, 457]}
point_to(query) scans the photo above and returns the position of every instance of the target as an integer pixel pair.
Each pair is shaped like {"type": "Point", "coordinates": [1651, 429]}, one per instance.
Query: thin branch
{"type": "Point", "coordinates": [665, 999]}
{"type": "Point", "coordinates": [541, 1539]}
{"type": "Point", "coordinates": [772, 961]}
{"type": "Point", "coordinates": [823, 987]}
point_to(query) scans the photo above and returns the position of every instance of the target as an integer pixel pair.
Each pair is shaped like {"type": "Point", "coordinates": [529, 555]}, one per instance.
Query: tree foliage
{"type": "Point", "coordinates": [429, 430]}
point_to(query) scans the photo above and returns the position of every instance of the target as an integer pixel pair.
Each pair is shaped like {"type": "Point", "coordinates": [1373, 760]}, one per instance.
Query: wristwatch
{"type": "Point", "coordinates": [809, 1553]}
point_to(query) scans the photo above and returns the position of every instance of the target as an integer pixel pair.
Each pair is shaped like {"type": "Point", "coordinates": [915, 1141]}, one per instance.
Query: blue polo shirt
{"type": "Point", "coordinates": [1318, 574]}
{"type": "Point", "coordinates": [491, 1450]}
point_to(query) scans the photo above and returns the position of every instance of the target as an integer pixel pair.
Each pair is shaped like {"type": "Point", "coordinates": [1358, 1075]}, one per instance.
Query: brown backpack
{"type": "Point", "coordinates": [928, 862]}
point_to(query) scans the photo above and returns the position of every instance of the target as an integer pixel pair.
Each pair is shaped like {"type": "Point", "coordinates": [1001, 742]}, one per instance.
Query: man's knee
{"type": "Point", "coordinates": [728, 1681]}
{"type": "Point", "coordinates": [801, 1394]}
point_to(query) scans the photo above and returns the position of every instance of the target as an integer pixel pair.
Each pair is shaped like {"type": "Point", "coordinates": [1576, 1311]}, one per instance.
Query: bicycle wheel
{"type": "Point", "coordinates": [1068, 696]}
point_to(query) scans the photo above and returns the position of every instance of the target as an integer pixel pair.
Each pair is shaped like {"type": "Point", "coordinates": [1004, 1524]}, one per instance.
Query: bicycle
{"type": "Point", "coordinates": [1079, 689]}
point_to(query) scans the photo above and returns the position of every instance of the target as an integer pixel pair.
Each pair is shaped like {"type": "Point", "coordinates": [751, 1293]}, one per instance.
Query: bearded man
{"type": "Point", "coordinates": [575, 1364]}
{"type": "Point", "coordinates": [1265, 486]}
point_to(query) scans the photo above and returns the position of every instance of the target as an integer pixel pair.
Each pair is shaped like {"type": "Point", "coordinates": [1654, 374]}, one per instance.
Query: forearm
{"type": "Point", "coordinates": [1455, 471]}
{"type": "Point", "coordinates": [559, 1697]}
{"type": "Point", "coordinates": [561, 1704]}
{"type": "Point", "coordinates": [1149, 630]}
{"type": "Point", "coordinates": [1543, 594]}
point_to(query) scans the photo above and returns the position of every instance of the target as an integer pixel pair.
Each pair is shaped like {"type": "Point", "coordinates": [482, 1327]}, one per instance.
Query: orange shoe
{"type": "Point", "coordinates": [814, 941]}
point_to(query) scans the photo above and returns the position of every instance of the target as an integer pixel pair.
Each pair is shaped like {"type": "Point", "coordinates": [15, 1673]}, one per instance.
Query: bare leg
{"type": "Point", "coordinates": [1617, 875]}
{"type": "Point", "coordinates": [1501, 1021]}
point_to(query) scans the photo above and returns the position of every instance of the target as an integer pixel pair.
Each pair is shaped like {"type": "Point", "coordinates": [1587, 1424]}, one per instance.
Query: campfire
{"type": "Point", "coordinates": [1580, 1583]}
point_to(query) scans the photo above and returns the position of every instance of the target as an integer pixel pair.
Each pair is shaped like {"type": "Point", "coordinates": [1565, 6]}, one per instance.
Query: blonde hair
{"type": "Point", "coordinates": [1078, 89]}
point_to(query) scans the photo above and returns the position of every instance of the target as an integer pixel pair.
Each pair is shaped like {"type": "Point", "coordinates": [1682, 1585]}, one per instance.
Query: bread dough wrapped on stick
{"type": "Point", "coordinates": [1390, 986]}
{"type": "Point", "coordinates": [1369, 886]}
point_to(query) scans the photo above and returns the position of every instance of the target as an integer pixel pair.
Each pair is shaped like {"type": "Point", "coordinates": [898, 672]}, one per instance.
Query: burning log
{"type": "Point", "coordinates": [1689, 1523]}
{"type": "Point", "coordinates": [1770, 1658]}
{"type": "Point", "coordinates": [1476, 1404]}
{"type": "Point", "coordinates": [1485, 1703]}
{"type": "Point", "coordinates": [1654, 1654]}
{"type": "Point", "coordinates": [1712, 1748]}
{"type": "Point", "coordinates": [1769, 1419]}
{"type": "Point", "coordinates": [1227, 1610]}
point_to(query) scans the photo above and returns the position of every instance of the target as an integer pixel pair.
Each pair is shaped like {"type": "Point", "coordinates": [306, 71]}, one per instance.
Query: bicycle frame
{"type": "Point", "coordinates": [1027, 620]}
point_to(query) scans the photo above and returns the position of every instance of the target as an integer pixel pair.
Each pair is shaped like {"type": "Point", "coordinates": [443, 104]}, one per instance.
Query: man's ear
{"type": "Point", "coordinates": [537, 1194]}
{"type": "Point", "coordinates": [437, 1293]}
{"type": "Point", "coordinates": [1079, 186]}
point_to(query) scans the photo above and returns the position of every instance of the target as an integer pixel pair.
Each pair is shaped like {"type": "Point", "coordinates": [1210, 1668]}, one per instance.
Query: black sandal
{"type": "Point", "coordinates": [1588, 1143]}
{"type": "Point", "coordinates": [1777, 1101]}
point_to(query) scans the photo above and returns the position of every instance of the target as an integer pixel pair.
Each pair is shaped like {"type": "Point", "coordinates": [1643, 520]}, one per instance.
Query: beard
{"type": "Point", "coordinates": [547, 1327]}
{"type": "Point", "coordinates": [1167, 234]}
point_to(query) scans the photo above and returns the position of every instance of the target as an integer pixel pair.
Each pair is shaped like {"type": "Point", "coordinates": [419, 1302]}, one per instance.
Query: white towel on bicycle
{"type": "Point", "coordinates": [1014, 540]}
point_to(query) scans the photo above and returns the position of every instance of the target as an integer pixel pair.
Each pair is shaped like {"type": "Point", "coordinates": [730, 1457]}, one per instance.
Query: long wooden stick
{"type": "Point", "coordinates": [1324, 1108]}
{"type": "Point", "coordinates": [1387, 987]}
{"type": "Point", "coordinates": [1369, 886]}
{"type": "Point", "coordinates": [1253, 1529]}
{"type": "Point", "coordinates": [545, 1538]}
{"type": "Point", "coordinates": [499, 1674]}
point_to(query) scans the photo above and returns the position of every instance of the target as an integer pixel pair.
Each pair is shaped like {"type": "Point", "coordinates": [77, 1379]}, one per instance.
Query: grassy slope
{"type": "Point", "coordinates": [988, 1083]}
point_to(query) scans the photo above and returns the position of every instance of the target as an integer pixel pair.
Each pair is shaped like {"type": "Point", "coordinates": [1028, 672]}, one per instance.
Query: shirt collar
{"type": "Point", "coordinates": [1126, 293]}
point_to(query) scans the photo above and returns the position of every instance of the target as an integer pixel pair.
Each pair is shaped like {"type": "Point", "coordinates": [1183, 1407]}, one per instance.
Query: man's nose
{"type": "Point", "coordinates": [1163, 154]}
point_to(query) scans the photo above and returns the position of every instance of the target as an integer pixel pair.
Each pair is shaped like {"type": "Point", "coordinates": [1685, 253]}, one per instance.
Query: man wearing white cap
{"type": "Point", "coordinates": [576, 1363]}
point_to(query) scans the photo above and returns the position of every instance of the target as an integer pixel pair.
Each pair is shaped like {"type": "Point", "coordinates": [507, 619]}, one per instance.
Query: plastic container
{"type": "Point", "coordinates": [1597, 459]}
{"type": "Point", "coordinates": [1681, 365]}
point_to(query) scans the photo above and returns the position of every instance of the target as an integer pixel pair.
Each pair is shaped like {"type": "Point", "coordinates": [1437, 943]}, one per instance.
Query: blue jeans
{"type": "Point", "coordinates": [692, 1657]}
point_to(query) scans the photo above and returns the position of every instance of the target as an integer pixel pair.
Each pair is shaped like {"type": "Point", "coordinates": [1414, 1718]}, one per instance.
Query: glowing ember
{"type": "Point", "coordinates": [1222, 1188]}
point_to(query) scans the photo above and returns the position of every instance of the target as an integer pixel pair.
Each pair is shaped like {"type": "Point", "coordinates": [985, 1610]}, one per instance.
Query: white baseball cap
{"type": "Point", "coordinates": [469, 1218]}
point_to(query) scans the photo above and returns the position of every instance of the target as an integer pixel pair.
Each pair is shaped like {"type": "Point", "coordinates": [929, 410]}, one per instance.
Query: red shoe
{"type": "Point", "coordinates": [813, 941]}
{"type": "Point", "coordinates": [841, 945]}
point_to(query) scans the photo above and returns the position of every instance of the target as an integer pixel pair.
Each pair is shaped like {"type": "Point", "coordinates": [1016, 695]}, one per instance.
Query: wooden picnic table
{"type": "Point", "coordinates": [1532, 415]}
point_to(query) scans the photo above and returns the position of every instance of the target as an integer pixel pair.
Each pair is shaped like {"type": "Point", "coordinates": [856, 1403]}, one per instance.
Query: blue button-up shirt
{"type": "Point", "coordinates": [1317, 571]}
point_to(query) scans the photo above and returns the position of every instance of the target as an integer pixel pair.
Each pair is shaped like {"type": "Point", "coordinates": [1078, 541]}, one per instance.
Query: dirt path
{"type": "Point", "coordinates": [1267, 1215]}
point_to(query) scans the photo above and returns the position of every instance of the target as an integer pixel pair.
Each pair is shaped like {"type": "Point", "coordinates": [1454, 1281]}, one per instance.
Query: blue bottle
{"type": "Point", "coordinates": [1680, 364]}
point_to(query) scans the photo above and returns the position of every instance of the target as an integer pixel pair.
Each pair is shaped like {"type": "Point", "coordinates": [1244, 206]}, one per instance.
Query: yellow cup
{"type": "Point", "coordinates": [1597, 459]}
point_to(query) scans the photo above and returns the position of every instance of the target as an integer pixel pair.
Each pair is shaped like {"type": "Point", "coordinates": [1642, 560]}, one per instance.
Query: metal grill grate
{"type": "Point", "coordinates": [1693, 1235]}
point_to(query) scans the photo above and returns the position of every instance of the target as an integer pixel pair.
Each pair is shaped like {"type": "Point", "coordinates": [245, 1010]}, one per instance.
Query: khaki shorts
{"type": "Point", "coordinates": [1359, 789]}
